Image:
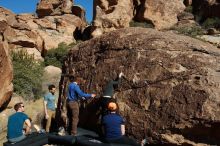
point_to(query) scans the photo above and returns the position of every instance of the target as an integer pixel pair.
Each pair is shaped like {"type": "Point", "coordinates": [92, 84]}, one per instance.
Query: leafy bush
{"type": "Point", "coordinates": [27, 75]}
{"type": "Point", "coordinates": [211, 23]}
{"type": "Point", "coordinates": [140, 24]}
{"type": "Point", "coordinates": [189, 9]}
{"type": "Point", "coordinates": [192, 31]}
{"type": "Point", "coordinates": [56, 56]}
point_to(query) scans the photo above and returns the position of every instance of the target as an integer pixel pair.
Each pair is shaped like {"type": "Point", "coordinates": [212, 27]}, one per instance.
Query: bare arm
{"type": "Point", "coordinates": [123, 129]}
{"type": "Point", "coordinates": [45, 109]}
{"type": "Point", "coordinates": [28, 126]}
{"type": "Point", "coordinates": [118, 81]}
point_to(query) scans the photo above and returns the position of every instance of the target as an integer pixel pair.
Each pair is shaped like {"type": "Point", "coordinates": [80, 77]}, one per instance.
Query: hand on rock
{"type": "Point", "coordinates": [93, 95]}
{"type": "Point", "coordinates": [121, 74]}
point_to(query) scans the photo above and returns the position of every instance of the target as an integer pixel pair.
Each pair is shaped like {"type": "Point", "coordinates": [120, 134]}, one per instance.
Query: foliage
{"type": "Point", "coordinates": [140, 24]}
{"type": "Point", "coordinates": [189, 9]}
{"type": "Point", "coordinates": [56, 56]}
{"type": "Point", "coordinates": [211, 23]}
{"type": "Point", "coordinates": [27, 75]}
{"type": "Point", "coordinates": [192, 31]}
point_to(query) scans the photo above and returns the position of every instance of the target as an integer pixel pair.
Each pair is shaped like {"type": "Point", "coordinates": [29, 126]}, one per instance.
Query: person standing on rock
{"type": "Point", "coordinates": [16, 121]}
{"type": "Point", "coordinates": [108, 93]}
{"type": "Point", "coordinates": [73, 97]}
{"type": "Point", "coordinates": [50, 106]}
{"type": "Point", "coordinates": [114, 127]}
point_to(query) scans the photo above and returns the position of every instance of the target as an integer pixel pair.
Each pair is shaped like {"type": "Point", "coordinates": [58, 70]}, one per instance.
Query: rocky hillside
{"type": "Point", "coordinates": [110, 15]}
{"type": "Point", "coordinates": [170, 93]}
{"type": "Point", "coordinates": [162, 15]}
{"type": "Point", "coordinates": [171, 84]}
{"type": "Point", "coordinates": [56, 22]}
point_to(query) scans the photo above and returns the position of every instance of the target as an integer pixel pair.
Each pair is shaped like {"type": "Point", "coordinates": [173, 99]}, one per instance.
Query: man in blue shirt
{"type": "Point", "coordinates": [50, 106]}
{"type": "Point", "coordinates": [114, 127]}
{"type": "Point", "coordinates": [75, 94]}
{"type": "Point", "coordinates": [15, 124]}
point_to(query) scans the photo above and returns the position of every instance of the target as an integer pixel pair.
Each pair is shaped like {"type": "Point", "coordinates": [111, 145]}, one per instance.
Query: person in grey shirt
{"type": "Point", "coordinates": [108, 93]}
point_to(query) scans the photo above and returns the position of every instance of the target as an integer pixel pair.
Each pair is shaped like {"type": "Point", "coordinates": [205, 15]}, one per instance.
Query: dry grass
{"type": "Point", "coordinates": [32, 109]}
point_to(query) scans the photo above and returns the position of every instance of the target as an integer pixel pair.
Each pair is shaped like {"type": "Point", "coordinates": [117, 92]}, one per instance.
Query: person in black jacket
{"type": "Point", "coordinates": [108, 93]}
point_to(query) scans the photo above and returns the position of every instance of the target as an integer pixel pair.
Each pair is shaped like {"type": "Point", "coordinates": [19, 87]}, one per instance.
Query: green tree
{"type": "Point", "coordinates": [57, 55]}
{"type": "Point", "coordinates": [27, 75]}
{"type": "Point", "coordinates": [211, 23]}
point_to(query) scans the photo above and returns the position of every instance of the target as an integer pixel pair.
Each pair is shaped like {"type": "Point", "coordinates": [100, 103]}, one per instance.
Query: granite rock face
{"type": "Point", "coordinates": [110, 15]}
{"type": "Point", "coordinates": [54, 7]}
{"type": "Point", "coordinates": [6, 86]}
{"type": "Point", "coordinates": [36, 34]}
{"type": "Point", "coordinates": [171, 82]}
{"type": "Point", "coordinates": [115, 14]}
{"type": "Point", "coordinates": [162, 14]}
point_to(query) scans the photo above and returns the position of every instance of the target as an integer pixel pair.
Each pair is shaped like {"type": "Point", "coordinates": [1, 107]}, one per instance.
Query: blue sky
{"type": "Point", "coordinates": [29, 6]}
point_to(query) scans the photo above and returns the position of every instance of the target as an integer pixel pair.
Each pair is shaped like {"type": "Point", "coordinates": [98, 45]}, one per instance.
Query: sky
{"type": "Point", "coordinates": [29, 6]}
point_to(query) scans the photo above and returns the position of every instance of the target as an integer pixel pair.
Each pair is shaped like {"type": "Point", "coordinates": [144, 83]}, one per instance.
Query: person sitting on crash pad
{"type": "Point", "coordinates": [16, 121]}
{"type": "Point", "coordinates": [114, 127]}
{"type": "Point", "coordinates": [108, 93]}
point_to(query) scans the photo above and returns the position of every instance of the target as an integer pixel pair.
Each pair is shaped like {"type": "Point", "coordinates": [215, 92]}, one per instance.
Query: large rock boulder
{"type": "Point", "coordinates": [51, 76]}
{"type": "Point", "coordinates": [6, 86]}
{"type": "Point", "coordinates": [58, 29]}
{"type": "Point", "coordinates": [110, 15]}
{"type": "Point", "coordinates": [38, 35]}
{"type": "Point", "coordinates": [171, 83]}
{"type": "Point", "coordinates": [162, 14]}
{"type": "Point", "coordinates": [54, 7]}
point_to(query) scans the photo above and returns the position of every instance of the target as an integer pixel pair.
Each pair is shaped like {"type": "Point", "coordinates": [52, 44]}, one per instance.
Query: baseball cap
{"type": "Point", "coordinates": [112, 106]}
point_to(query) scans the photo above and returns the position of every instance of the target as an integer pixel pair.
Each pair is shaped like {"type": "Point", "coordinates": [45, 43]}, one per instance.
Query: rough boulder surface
{"type": "Point", "coordinates": [162, 14]}
{"type": "Point", "coordinates": [114, 14]}
{"type": "Point", "coordinates": [171, 82]}
{"type": "Point", "coordinates": [37, 35]}
{"type": "Point", "coordinates": [54, 7]}
{"type": "Point", "coordinates": [111, 14]}
{"type": "Point", "coordinates": [6, 86]}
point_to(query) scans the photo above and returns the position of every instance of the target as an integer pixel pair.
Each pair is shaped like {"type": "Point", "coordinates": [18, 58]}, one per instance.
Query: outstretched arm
{"type": "Point", "coordinates": [81, 93]}
{"type": "Point", "coordinates": [118, 81]}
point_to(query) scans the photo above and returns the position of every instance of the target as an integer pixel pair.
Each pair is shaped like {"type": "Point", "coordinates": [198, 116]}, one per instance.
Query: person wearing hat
{"type": "Point", "coordinates": [114, 127]}
{"type": "Point", "coordinates": [75, 94]}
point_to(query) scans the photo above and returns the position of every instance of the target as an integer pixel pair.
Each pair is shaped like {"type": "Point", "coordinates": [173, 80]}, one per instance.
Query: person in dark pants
{"type": "Point", "coordinates": [108, 93]}
{"type": "Point", "coordinates": [16, 121]}
{"type": "Point", "coordinates": [74, 95]}
{"type": "Point", "coordinates": [114, 127]}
